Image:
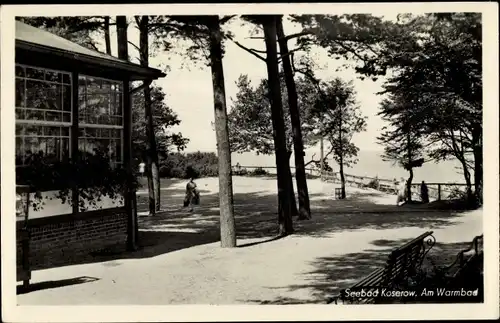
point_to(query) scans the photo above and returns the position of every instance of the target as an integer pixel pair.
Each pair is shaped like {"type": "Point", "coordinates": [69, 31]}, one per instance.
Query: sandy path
{"type": "Point", "coordinates": [295, 269]}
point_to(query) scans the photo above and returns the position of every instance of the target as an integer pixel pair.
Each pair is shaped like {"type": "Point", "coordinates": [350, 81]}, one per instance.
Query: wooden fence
{"type": "Point", "coordinates": [437, 191]}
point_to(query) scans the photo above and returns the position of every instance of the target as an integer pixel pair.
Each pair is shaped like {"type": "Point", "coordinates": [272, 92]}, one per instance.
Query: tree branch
{"type": "Point", "coordinates": [250, 50]}
{"type": "Point", "coordinates": [225, 19]}
{"type": "Point", "coordinates": [290, 53]}
{"type": "Point", "coordinates": [317, 161]}
{"type": "Point", "coordinates": [134, 45]}
{"type": "Point", "coordinates": [296, 35]}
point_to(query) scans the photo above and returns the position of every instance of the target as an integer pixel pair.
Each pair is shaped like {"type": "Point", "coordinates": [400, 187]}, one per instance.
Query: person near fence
{"type": "Point", "coordinates": [192, 197]}
{"type": "Point", "coordinates": [401, 192]}
{"type": "Point", "coordinates": [424, 192]}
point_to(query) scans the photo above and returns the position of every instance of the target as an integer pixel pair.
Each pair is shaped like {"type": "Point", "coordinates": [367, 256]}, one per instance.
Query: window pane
{"type": "Point", "coordinates": [19, 114]}
{"type": "Point", "coordinates": [102, 103]}
{"type": "Point", "coordinates": [19, 151]}
{"type": "Point", "coordinates": [51, 142]}
{"type": "Point", "coordinates": [53, 116]}
{"type": "Point", "coordinates": [34, 114]}
{"type": "Point", "coordinates": [65, 131]}
{"type": "Point", "coordinates": [20, 129]}
{"type": "Point", "coordinates": [103, 140]}
{"type": "Point", "coordinates": [43, 95]}
{"type": "Point", "coordinates": [118, 104]}
{"type": "Point", "coordinates": [33, 73]}
{"type": "Point", "coordinates": [52, 131]}
{"type": "Point", "coordinates": [66, 117]}
{"type": "Point", "coordinates": [66, 78]}
{"type": "Point", "coordinates": [20, 93]}
{"type": "Point", "coordinates": [42, 90]}
{"type": "Point", "coordinates": [51, 150]}
{"type": "Point", "coordinates": [20, 71]}
{"type": "Point", "coordinates": [52, 76]}
{"type": "Point", "coordinates": [66, 94]}
{"type": "Point", "coordinates": [64, 148]}
{"type": "Point", "coordinates": [32, 130]}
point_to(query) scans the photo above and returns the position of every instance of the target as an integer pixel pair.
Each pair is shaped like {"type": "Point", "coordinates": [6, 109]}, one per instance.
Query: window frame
{"type": "Point", "coordinates": [121, 127]}
{"type": "Point", "coordinates": [45, 123]}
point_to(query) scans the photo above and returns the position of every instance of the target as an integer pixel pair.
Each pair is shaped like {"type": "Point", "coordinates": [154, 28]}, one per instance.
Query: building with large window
{"type": "Point", "coordinates": [70, 101]}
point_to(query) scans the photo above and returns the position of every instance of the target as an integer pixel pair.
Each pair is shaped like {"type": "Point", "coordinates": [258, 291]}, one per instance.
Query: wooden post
{"type": "Point", "coordinates": [439, 192]}
{"type": "Point", "coordinates": [26, 243]}
{"type": "Point", "coordinates": [127, 163]}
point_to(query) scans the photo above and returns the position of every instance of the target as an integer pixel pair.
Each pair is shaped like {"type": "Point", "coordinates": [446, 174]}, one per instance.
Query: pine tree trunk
{"type": "Point", "coordinates": [227, 223]}
{"type": "Point", "coordinates": [408, 185]}
{"type": "Point", "coordinates": [152, 153]}
{"type": "Point", "coordinates": [151, 188]}
{"type": "Point", "coordinates": [342, 179]}
{"type": "Point", "coordinates": [283, 168]}
{"type": "Point", "coordinates": [121, 33]}
{"type": "Point", "coordinates": [322, 158]}
{"type": "Point", "coordinates": [107, 38]}
{"type": "Point", "coordinates": [467, 178]}
{"type": "Point", "coordinates": [410, 168]}
{"type": "Point", "coordinates": [132, 225]}
{"type": "Point", "coordinates": [292, 192]}
{"type": "Point", "coordinates": [341, 157]}
{"type": "Point", "coordinates": [478, 162]}
{"type": "Point", "coordinates": [298, 147]}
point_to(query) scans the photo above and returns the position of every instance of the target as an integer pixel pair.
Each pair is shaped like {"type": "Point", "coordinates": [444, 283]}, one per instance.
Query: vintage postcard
{"type": "Point", "coordinates": [214, 162]}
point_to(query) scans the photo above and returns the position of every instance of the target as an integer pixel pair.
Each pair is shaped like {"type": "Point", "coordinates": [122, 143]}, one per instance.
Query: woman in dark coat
{"type": "Point", "coordinates": [424, 192]}
{"type": "Point", "coordinates": [192, 197]}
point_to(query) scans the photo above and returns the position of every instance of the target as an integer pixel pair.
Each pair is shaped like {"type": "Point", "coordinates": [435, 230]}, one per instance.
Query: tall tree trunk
{"type": "Point", "coordinates": [122, 37]}
{"type": "Point", "coordinates": [478, 162]}
{"type": "Point", "coordinates": [227, 223]}
{"type": "Point", "coordinates": [322, 158]}
{"type": "Point", "coordinates": [107, 38]}
{"type": "Point", "coordinates": [467, 178]}
{"type": "Point", "coordinates": [298, 147]}
{"type": "Point", "coordinates": [285, 211]}
{"type": "Point", "coordinates": [410, 168]}
{"type": "Point", "coordinates": [408, 184]}
{"type": "Point", "coordinates": [152, 153]}
{"type": "Point", "coordinates": [341, 155]}
{"type": "Point", "coordinates": [292, 192]}
{"type": "Point", "coordinates": [132, 225]}
{"type": "Point", "coordinates": [342, 178]}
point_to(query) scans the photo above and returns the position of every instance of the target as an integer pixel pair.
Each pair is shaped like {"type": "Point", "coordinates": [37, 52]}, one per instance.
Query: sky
{"type": "Point", "coordinates": [189, 86]}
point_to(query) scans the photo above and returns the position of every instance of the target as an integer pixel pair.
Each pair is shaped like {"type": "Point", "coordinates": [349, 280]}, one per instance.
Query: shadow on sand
{"type": "Point", "coordinates": [332, 274]}
{"type": "Point", "coordinates": [175, 228]}
{"type": "Point", "coordinates": [55, 284]}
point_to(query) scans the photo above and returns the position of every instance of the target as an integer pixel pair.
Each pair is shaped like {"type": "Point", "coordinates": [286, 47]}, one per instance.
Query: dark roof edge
{"type": "Point", "coordinates": [136, 69]}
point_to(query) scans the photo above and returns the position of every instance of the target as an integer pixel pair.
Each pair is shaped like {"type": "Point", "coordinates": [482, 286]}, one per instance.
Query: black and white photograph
{"type": "Point", "coordinates": [326, 156]}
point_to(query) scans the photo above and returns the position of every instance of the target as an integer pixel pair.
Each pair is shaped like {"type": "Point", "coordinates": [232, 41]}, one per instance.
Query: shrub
{"type": "Point", "coordinates": [241, 172]}
{"type": "Point", "coordinates": [164, 171]}
{"type": "Point", "coordinates": [259, 171]}
{"type": "Point", "coordinates": [457, 194]}
{"type": "Point", "coordinates": [374, 183]}
{"type": "Point", "coordinates": [191, 172]}
{"type": "Point", "coordinates": [183, 165]}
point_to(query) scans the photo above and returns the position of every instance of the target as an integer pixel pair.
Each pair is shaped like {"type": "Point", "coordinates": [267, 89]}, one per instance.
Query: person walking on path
{"type": "Point", "coordinates": [424, 192]}
{"type": "Point", "coordinates": [192, 197]}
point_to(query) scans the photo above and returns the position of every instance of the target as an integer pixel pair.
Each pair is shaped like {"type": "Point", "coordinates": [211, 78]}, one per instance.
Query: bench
{"type": "Point", "coordinates": [400, 272]}
{"type": "Point", "coordinates": [466, 259]}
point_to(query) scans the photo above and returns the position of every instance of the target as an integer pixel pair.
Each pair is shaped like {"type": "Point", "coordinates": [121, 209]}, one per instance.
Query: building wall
{"type": "Point", "coordinates": [71, 239]}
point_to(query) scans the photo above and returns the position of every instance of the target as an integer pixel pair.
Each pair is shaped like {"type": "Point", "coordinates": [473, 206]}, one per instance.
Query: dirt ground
{"type": "Point", "coordinates": [181, 261]}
